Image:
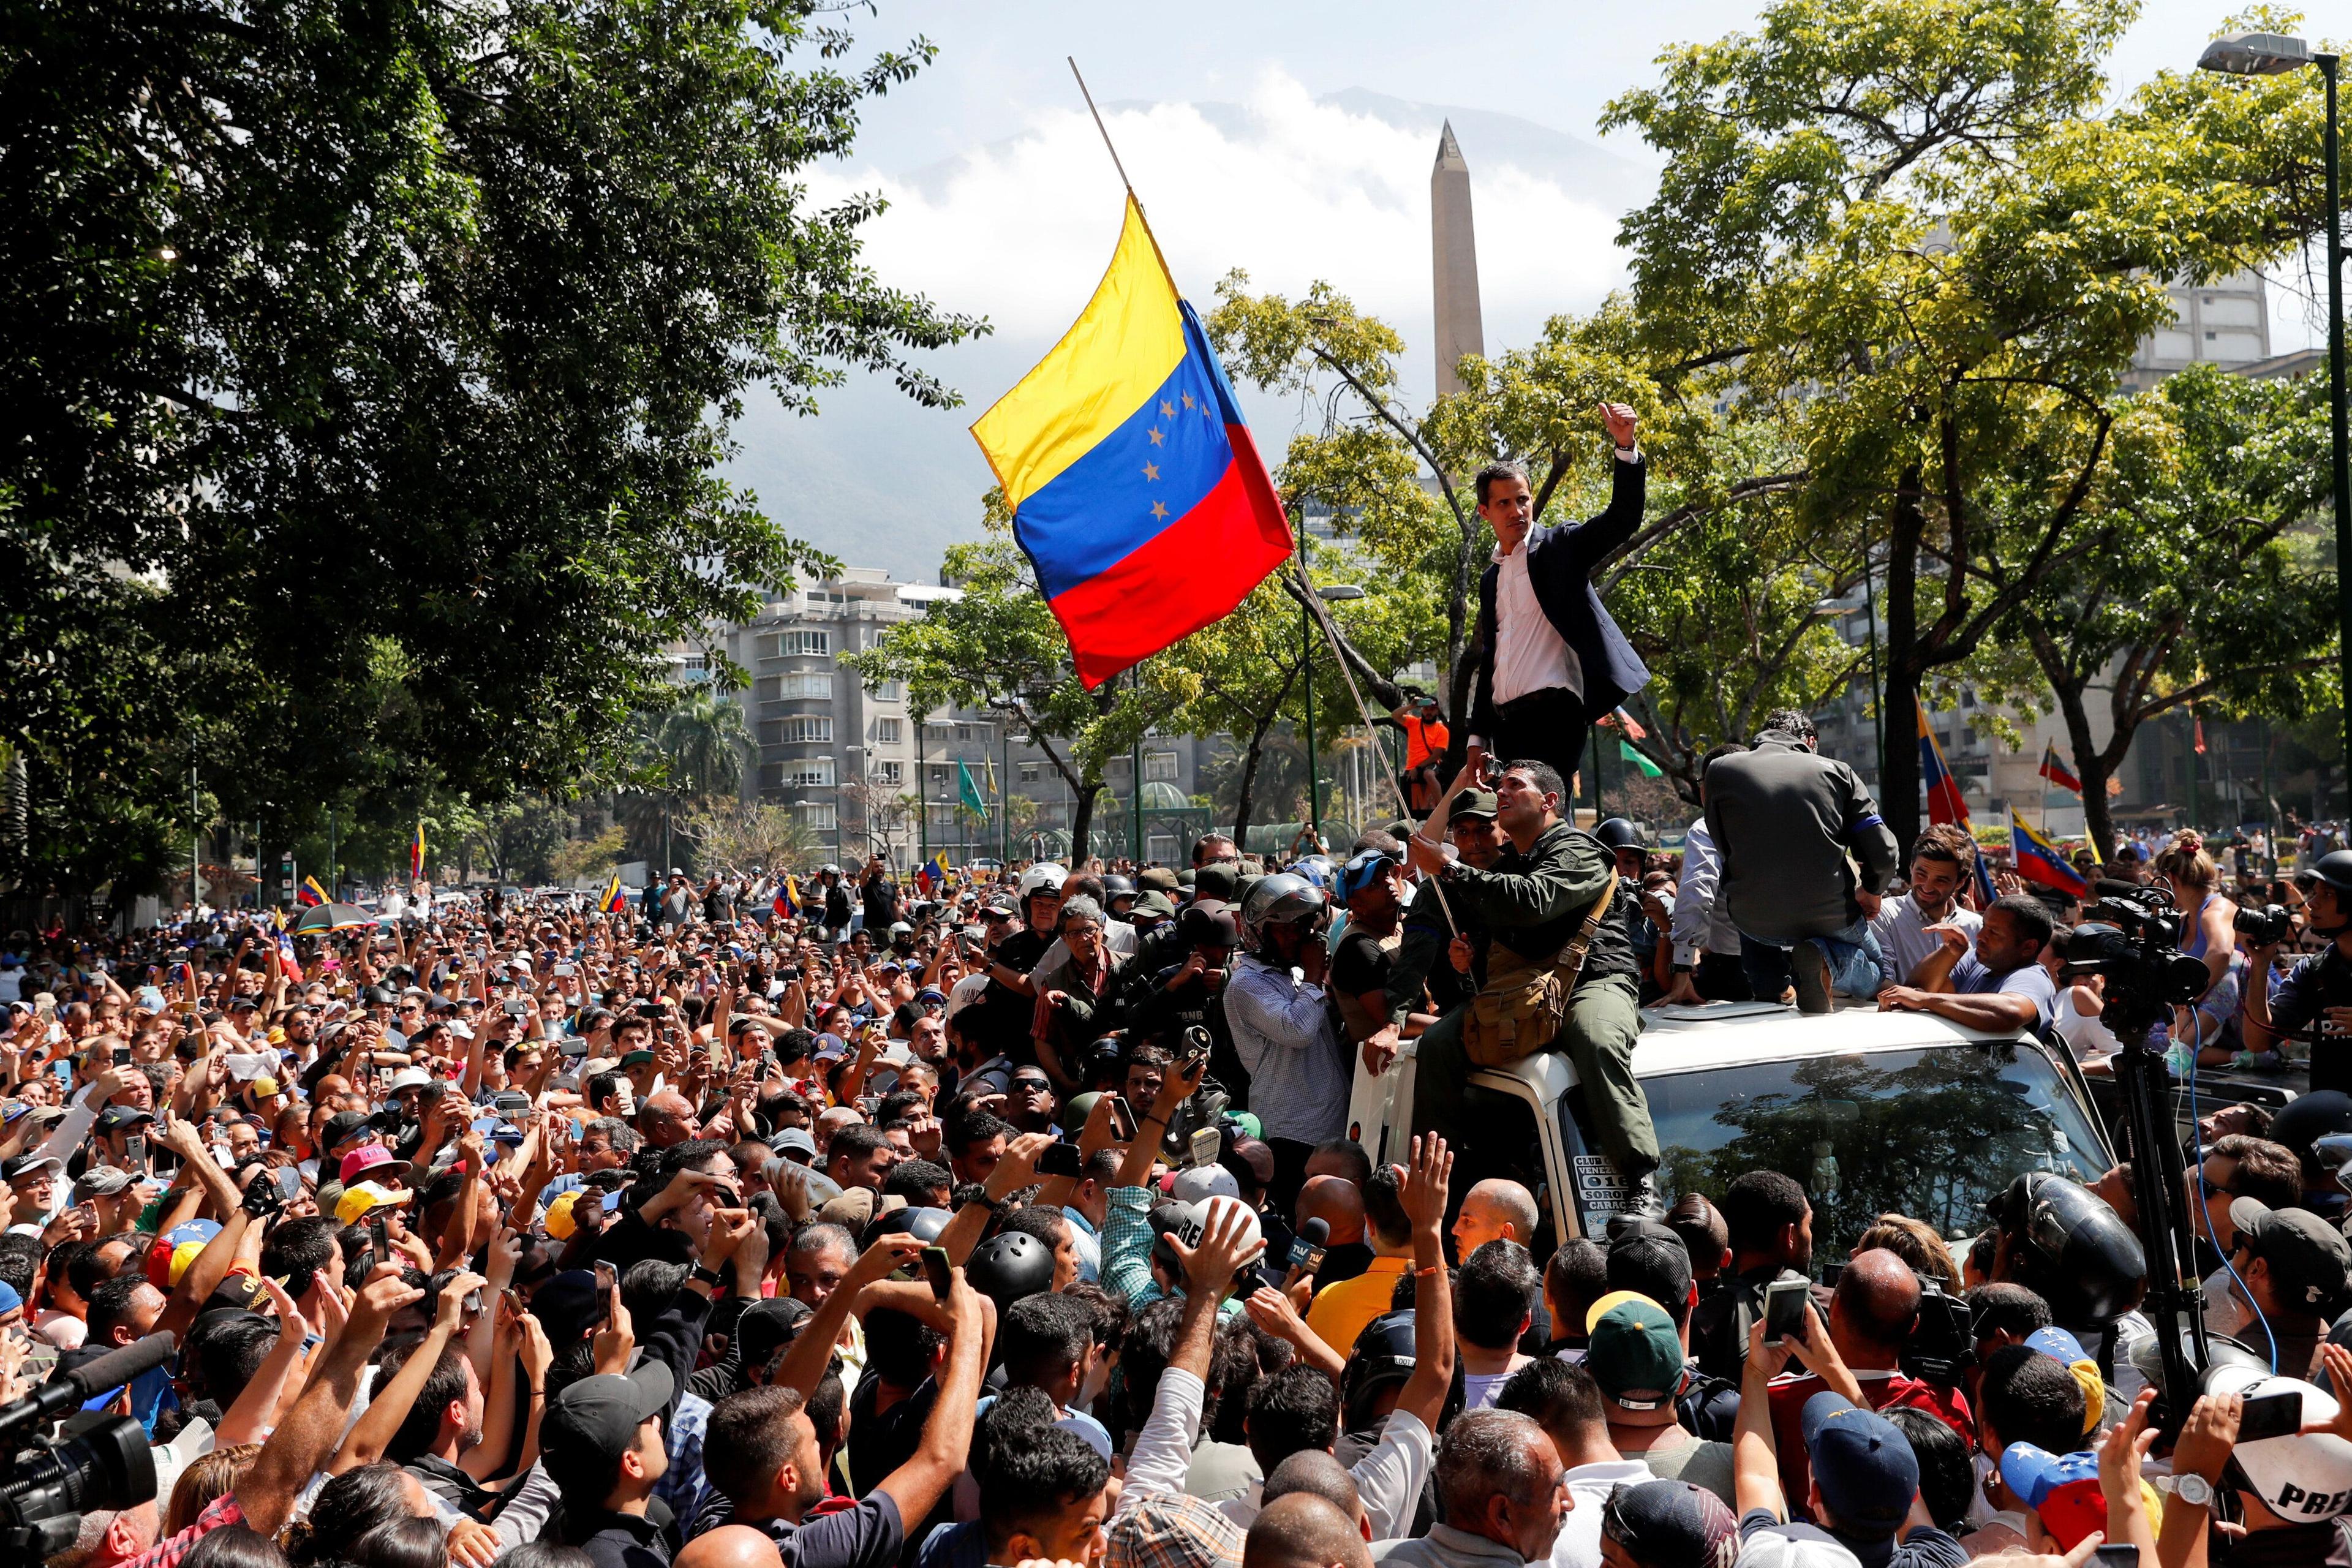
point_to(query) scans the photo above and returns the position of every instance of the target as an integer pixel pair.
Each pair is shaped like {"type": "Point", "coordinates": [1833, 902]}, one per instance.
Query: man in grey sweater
{"type": "Point", "coordinates": [1785, 821]}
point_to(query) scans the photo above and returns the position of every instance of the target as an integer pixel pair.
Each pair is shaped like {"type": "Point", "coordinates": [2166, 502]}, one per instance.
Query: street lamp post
{"type": "Point", "coordinates": [2273, 54]}
{"type": "Point", "coordinates": [1338, 592]}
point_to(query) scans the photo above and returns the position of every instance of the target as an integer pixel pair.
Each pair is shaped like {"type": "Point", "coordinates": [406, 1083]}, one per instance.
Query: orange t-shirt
{"type": "Point", "coordinates": [1422, 740]}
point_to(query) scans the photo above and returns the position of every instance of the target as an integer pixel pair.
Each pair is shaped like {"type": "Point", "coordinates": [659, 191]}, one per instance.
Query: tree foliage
{"type": "Point", "coordinates": [370, 371]}
{"type": "Point", "coordinates": [1910, 228]}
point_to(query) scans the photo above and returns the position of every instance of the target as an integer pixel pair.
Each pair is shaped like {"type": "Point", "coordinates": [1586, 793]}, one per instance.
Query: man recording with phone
{"type": "Point", "coordinates": [2314, 1000]}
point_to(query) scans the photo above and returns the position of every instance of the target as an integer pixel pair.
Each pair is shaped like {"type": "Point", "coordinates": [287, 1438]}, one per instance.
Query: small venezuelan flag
{"type": "Point", "coordinates": [309, 895]}
{"type": "Point", "coordinates": [788, 899]}
{"type": "Point", "coordinates": [1945, 803]}
{"type": "Point", "coordinates": [612, 902]}
{"type": "Point", "coordinates": [1135, 486]}
{"type": "Point", "coordinates": [2040, 862]}
{"type": "Point", "coordinates": [2055, 771]}
{"type": "Point", "coordinates": [416, 856]}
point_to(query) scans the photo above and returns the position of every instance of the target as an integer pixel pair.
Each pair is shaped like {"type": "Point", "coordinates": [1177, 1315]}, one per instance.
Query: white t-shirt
{"type": "Point", "coordinates": [1577, 1545]}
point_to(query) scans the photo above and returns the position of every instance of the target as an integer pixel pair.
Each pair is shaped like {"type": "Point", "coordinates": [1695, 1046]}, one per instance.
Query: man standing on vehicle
{"type": "Point", "coordinates": [1533, 903]}
{"type": "Point", "coordinates": [2003, 985]}
{"type": "Point", "coordinates": [2314, 1000]}
{"type": "Point", "coordinates": [1784, 820]}
{"type": "Point", "coordinates": [1706, 949]}
{"type": "Point", "coordinates": [1941, 861]}
{"type": "Point", "coordinates": [1546, 660]}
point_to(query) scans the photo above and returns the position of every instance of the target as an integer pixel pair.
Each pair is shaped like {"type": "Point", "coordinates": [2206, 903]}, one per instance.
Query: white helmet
{"type": "Point", "coordinates": [1044, 874]}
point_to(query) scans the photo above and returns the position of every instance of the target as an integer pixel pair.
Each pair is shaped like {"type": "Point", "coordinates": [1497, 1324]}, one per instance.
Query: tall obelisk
{"type": "Point", "coordinates": [1454, 262]}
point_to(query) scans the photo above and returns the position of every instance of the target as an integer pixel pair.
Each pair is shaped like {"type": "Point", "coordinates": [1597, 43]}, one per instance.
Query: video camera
{"type": "Point", "coordinates": [1943, 1340]}
{"type": "Point", "coordinates": [48, 1483]}
{"type": "Point", "coordinates": [2265, 927]}
{"type": "Point", "coordinates": [2131, 935]}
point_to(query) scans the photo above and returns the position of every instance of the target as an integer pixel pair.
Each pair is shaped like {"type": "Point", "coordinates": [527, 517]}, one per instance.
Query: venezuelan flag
{"type": "Point", "coordinates": [611, 902]}
{"type": "Point", "coordinates": [788, 899]}
{"type": "Point", "coordinates": [1945, 803]}
{"type": "Point", "coordinates": [416, 856]}
{"type": "Point", "coordinates": [2040, 862]}
{"type": "Point", "coordinates": [2055, 771]}
{"type": "Point", "coordinates": [1135, 486]}
{"type": "Point", "coordinates": [309, 894]}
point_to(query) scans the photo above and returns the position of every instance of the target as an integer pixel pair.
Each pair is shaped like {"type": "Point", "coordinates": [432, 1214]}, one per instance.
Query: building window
{"type": "Point", "coordinates": [804, 729]}
{"type": "Point", "coordinates": [1117, 768]}
{"type": "Point", "coordinates": [804, 642]}
{"type": "Point", "coordinates": [815, 815]}
{"type": "Point", "coordinates": [969, 732]}
{"type": "Point", "coordinates": [808, 773]}
{"type": "Point", "coordinates": [1159, 765]}
{"type": "Point", "coordinates": [1032, 772]}
{"type": "Point", "coordinates": [698, 668]}
{"type": "Point", "coordinates": [889, 731]}
{"type": "Point", "coordinates": [891, 774]}
{"type": "Point", "coordinates": [888, 690]}
{"type": "Point", "coordinates": [939, 773]}
{"type": "Point", "coordinates": [937, 730]}
{"type": "Point", "coordinates": [807, 685]}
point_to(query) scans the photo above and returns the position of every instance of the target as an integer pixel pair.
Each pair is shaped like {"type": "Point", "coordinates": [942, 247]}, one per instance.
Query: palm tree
{"type": "Point", "coordinates": [693, 751]}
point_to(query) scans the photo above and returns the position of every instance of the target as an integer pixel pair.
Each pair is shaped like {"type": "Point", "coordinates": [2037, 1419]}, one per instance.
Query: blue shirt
{"type": "Point", "coordinates": [1971, 978]}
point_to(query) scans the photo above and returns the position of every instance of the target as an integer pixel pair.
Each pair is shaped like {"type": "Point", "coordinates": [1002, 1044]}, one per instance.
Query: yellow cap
{"type": "Point", "coordinates": [1615, 1300]}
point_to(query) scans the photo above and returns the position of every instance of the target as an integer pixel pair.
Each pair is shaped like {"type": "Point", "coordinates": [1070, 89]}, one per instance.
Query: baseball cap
{"type": "Point", "coordinates": [1652, 1260]}
{"type": "Point", "coordinates": [1217, 880]}
{"type": "Point", "coordinates": [2302, 1477]}
{"type": "Point", "coordinates": [371, 1163]}
{"type": "Point", "coordinates": [595, 1420]}
{"type": "Point", "coordinates": [102, 1182]}
{"type": "Point", "coordinates": [792, 1141]}
{"type": "Point", "coordinates": [568, 1304]}
{"type": "Point", "coordinates": [1209, 926]}
{"type": "Point", "coordinates": [1157, 879]}
{"type": "Point", "coordinates": [2308, 1257]}
{"type": "Point", "coordinates": [1480, 803]}
{"type": "Point", "coordinates": [1633, 1352]}
{"type": "Point", "coordinates": [115, 1118]}
{"type": "Point", "coordinates": [1863, 1464]}
{"type": "Point", "coordinates": [2062, 1489]}
{"type": "Point", "coordinates": [632, 1058]}
{"type": "Point", "coordinates": [364, 1198]}
{"type": "Point", "coordinates": [1170, 1529]}
{"type": "Point", "coordinates": [342, 1125]}
{"type": "Point", "coordinates": [2067, 1352]}
{"type": "Point", "coordinates": [25, 1164]}
{"type": "Point", "coordinates": [1671, 1524]}
{"type": "Point", "coordinates": [558, 1220]}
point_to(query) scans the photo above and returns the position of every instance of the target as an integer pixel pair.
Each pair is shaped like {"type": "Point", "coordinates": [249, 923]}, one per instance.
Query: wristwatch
{"type": "Point", "coordinates": [2193, 1490]}
{"type": "Point", "coordinates": [710, 1277]}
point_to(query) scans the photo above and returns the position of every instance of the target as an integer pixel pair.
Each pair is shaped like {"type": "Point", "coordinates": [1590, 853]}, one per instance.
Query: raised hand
{"type": "Point", "coordinates": [1426, 1182]}
{"type": "Point", "coordinates": [1210, 1266]}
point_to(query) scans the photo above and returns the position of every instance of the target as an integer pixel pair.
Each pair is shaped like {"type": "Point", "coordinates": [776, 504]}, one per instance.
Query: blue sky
{"type": "Point", "coordinates": [1293, 140]}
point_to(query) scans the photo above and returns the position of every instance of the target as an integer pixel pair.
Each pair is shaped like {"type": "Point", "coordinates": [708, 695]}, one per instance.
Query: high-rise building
{"type": "Point", "coordinates": [1453, 263]}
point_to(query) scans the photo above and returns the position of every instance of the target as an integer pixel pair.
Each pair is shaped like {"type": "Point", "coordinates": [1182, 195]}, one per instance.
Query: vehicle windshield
{"type": "Point", "coordinates": [1930, 1132]}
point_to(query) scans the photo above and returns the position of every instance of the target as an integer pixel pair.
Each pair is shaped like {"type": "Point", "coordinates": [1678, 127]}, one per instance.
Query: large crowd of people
{"type": "Point", "coordinates": [1013, 1217]}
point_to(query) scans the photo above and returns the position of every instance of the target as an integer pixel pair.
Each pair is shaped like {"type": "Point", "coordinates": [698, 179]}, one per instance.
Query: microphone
{"type": "Point", "coordinates": [87, 1381]}
{"type": "Point", "coordinates": [1306, 1248]}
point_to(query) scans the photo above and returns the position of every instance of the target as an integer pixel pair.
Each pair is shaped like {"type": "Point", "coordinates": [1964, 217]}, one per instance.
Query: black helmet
{"type": "Point", "coordinates": [1008, 1266]}
{"type": "Point", "coordinates": [2077, 1251]}
{"type": "Point", "coordinates": [923, 1224]}
{"type": "Point", "coordinates": [1383, 1358]}
{"type": "Point", "coordinates": [1619, 833]}
{"type": "Point", "coordinates": [2303, 1122]}
{"type": "Point", "coordinates": [2333, 869]}
{"type": "Point", "coordinates": [1115, 886]}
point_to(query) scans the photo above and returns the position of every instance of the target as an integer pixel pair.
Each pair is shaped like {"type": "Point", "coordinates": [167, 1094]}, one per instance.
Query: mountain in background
{"type": "Point", "coordinates": [877, 481]}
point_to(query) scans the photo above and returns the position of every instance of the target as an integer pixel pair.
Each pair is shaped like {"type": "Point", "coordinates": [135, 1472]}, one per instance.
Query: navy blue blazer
{"type": "Point", "coordinates": [1561, 560]}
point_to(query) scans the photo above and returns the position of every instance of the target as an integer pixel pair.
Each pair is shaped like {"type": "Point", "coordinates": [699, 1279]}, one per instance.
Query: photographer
{"type": "Point", "coordinates": [2314, 1000]}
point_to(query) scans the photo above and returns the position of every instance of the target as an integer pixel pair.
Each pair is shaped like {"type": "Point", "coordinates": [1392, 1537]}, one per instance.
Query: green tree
{"type": "Point", "coordinates": [1538, 405]}
{"type": "Point", "coordinates": [1911, 232]}
{"type": "Point", "coordinates": [998, 647]}
{"type": "Point", "coordinates": [2193, 592]}
{"type": "Point", "coordinates": [370, 370]}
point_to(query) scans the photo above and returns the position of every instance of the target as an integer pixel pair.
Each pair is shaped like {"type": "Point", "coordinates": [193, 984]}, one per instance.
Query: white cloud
{"type": "Point", "coordinates": [1288, 189]}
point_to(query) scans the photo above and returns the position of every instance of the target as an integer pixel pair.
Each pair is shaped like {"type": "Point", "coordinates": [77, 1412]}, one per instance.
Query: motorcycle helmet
{"type": "Point", "coordinates": [1006, 1268]}
{"type": "Point", "coordinates": [2333, 869]}
{"type": "Point", "coordinates": [2072, 1248]}
{"type": "Point", "coordinates": [1116, 886]}
{"type": "Point", "coordinates": [1279, 900]}
{"type": "Point", "coordinates": [1382, 1359]}
{"type": "Point", "coordinates": [2305, 1120]}
{"type": "Point", "coordinates": [1317, 869]}
{"type": "Point", "coordinates": [1616, 834]}
{"type": "Point", "coordinates": [1044, 874]}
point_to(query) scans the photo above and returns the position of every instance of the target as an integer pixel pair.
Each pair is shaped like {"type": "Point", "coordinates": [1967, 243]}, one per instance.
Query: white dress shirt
{"type": "Point", "coordinates": [1530, 653]}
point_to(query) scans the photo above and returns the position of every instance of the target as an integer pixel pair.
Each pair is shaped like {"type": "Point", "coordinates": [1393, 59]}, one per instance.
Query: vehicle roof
{"type": "Point", "coordinates": [1729, 1034]}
